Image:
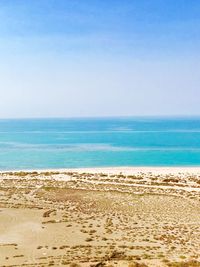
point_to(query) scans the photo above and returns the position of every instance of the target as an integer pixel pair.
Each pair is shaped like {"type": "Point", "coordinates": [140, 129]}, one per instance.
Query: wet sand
{"type": "Point", "coordinates": [100, 217]}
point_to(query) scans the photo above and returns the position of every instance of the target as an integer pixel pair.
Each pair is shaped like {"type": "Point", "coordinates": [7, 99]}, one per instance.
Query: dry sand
{"type": "Point", "coordinates": [100, 217]}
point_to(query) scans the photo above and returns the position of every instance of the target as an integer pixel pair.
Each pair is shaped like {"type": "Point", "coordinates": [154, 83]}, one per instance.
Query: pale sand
{"type": "Point", "coordinates": [135, 170]}
{"type": "Point", "coordinates": [127, 216]}
{"type": "Point", "coordinates": [125, 170]}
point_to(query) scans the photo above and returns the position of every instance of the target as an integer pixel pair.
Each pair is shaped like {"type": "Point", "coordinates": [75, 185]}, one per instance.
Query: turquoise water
{"type": "Point", "coordinates": [62, 143]}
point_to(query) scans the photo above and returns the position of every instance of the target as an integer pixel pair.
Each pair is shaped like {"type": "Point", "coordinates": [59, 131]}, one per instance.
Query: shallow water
{"type": "Point", "coordinates": [63, 143]}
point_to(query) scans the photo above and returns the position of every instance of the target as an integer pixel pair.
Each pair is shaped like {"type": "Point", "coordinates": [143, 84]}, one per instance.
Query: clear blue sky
{"type": "Point", "coordinates": [65, 58]}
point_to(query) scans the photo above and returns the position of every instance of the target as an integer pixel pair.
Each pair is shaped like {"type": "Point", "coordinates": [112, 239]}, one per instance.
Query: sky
{"type": "Point", "coordinates": [76, 58]}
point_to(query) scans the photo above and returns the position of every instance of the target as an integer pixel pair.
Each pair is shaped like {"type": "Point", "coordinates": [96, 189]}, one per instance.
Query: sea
{"type": "Point", "coordinates": [99, 142]}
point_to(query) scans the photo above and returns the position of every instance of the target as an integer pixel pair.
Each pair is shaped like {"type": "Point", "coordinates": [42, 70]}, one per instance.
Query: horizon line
{"type": "Point", "coordinates": [101, 117]}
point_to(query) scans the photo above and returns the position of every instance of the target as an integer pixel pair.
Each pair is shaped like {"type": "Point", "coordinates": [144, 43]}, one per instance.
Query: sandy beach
{"type": "Point", "coordinates": [128, 216]}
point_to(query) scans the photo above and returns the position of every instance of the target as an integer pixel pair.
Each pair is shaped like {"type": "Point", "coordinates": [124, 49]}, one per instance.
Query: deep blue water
{"type": "Point", "coordinates": [62, 143]}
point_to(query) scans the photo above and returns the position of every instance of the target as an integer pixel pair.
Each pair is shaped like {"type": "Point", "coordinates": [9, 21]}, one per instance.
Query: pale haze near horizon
{"type": "Point", "coordinates": [99, 58]}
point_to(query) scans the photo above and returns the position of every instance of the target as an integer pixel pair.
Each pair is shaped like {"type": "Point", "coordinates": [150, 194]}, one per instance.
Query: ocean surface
{"type": "Point", "coordinates": [73, 143]}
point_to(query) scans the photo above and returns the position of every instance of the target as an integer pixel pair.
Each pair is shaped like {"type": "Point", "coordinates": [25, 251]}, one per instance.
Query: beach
{"type": "Point", "coordinates": [99, 133]}
{"type": "Point", "coordinates": [120, 216]}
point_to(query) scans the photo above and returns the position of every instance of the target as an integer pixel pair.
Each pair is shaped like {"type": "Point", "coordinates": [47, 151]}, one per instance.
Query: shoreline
{"type": "Point", "coordinates": [113, 170]}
